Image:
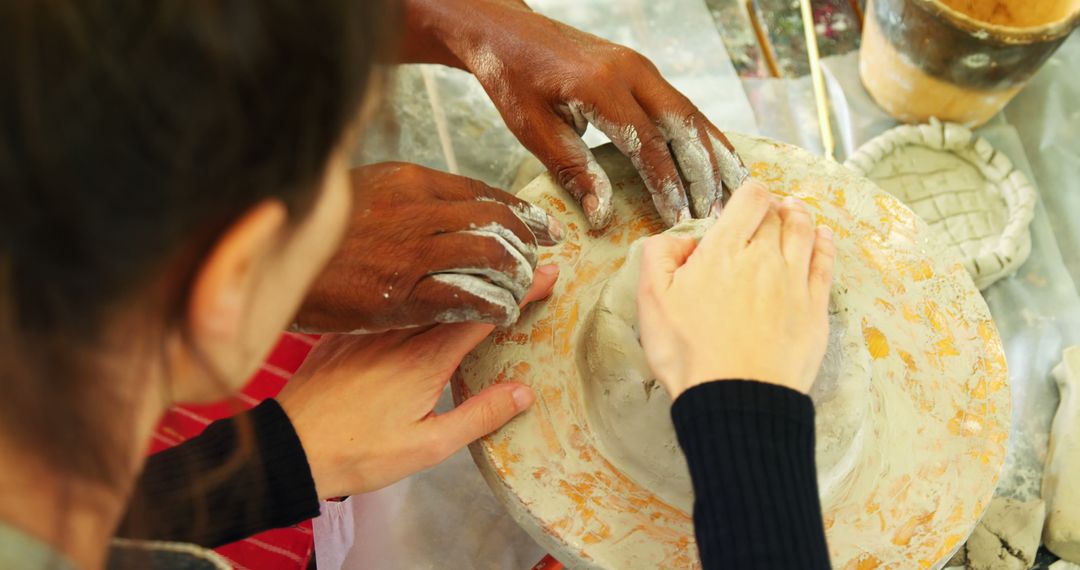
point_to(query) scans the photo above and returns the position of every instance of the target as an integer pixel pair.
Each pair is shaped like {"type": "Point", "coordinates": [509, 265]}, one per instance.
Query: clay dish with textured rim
{"type": "Point", "coordinates": [938, 404]}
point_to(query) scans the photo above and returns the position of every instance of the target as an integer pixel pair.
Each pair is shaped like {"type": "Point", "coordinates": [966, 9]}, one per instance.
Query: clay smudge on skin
{"type": "Point", "coordinates": [509, 240]}
{"type": "Point", "coordinates": [693, 159]}
{"type": "Point", "coordinates": [672, 204]}
{"type": "Point", "coordinates": [625, 137]}
{"type": "Point", "coordinates": [542, 225]}
{"type": "Point", "coordinates": [516, 279]}
{"type": "Point", "coordinates": [574, 118]}
{"type": "Point", "coordinates": [669, 198]}
{"type": "Point", "coordinates": [732, 170]}
{"type": "Point", "coordinates": [481, 289]}
{"type": "Point", "coordinates": [464, 315]}
{"type": "Point", "coordinates": [599, 216]}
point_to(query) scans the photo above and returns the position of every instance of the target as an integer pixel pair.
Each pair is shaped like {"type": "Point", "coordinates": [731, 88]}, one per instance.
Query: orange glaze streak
{"type": "Point", "coordinates": [767, 172]}
{"type": "Point", "coordinates": [909, 361]}
{"type": "Point", "coordinates": [864, 562]}
{"type": "Point", "coordinates": [507, 336]}
{"type": "Point", "coordinates": [837, 197]}
{"type": "Point", "coordinates": [541, 330]}
{"type": "Point", "coordinates": [503, 458]}
{"type": "Point", "coordinates": [876, 342]}
{"type": "Point", "coordinates": [918, 270]}
{"type": "Point", "coordinates": [565, 332]}
{"type": "Point", "coordinates": [512, 372]}
{"type": "Point", "coordinates": [549, 396]}
{"type": "Point", "coordinates": [555, 203]}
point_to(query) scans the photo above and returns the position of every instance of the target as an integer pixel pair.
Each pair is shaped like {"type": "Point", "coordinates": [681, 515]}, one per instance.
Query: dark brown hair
{"type": "Point", "coordinates": [132, 132]}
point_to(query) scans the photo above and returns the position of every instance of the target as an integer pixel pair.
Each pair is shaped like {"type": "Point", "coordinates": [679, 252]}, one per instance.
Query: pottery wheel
{"type": "Point", "coordinates": [912, 401]}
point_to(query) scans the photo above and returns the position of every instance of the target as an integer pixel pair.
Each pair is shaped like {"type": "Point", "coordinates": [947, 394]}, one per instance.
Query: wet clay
{"type": "Point", "coordinates": [912, 402]}
{"type": "Point", "coordinates": [1006, 538]}
{"type": "Point", "coordinates": [977, 203]}
{"type": "Point", "coordinates": [629, 409]}
{"type": "Point", "coordinates": [1061, 487]}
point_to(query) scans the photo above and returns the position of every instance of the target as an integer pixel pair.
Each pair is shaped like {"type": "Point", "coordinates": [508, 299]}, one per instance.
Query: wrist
{"type": "Point", "coordinates": [751, 374]}
{"type": "Point", "coordinates": [449, 32]}
{"type": "Point", "coordinates": [423, 40]}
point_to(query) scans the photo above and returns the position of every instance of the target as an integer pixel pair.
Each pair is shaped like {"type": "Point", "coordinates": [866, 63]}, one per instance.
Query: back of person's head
{"type": "Point", "coordinates": [133, 135]}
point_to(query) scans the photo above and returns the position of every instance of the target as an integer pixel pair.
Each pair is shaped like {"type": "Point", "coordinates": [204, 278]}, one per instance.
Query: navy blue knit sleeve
{"type": "Point", "coordinates": [750, 449]}
{"type": "Point", "coordinates": [206, 492]}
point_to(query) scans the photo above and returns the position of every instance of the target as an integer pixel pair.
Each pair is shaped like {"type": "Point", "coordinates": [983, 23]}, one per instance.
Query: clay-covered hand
{"type": "Point", "coordinates": [362, 405]}
{"type": "Point", "coordinates": [749, 301]}
{"type": "Point", "coordinates": [427, 247]}
{"type": "Point", "coordinates": [550, 81]}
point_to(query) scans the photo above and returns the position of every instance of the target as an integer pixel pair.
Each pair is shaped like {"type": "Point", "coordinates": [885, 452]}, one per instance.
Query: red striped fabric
{"type": "Point", "coordinates": [284, 549]}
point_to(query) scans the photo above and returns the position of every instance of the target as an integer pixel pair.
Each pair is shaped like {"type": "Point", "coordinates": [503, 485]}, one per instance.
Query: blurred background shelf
{"type": "Point", "coordinates": [765, 37]}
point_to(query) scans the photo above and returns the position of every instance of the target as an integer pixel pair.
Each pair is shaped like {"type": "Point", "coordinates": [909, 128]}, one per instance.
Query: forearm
{"type": "Point", "coordinates": [439, 31]}
{"type": "Point", "coordinates": [750, 449]}
{"type": "Point", "coordinates": [209, 492]}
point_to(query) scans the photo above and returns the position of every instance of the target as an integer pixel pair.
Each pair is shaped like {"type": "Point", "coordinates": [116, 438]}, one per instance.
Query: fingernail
{"type": "Point", "coordinates": [555, 229]}
{"type": "Point", "coordinates": [791, 201]}
{"type": "Point", "coordinates": [549, 269]}
{"type": "Point", "coordinates": [590, 204]}
{"type": "Point", "coordinates": [826, 232]}
{"type": "Point", "coordinates": [523, 397]}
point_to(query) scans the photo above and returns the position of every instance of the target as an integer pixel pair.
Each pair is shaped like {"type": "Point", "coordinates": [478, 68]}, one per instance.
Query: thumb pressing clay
{"type": "Point", "coordinates": [1061, 480]}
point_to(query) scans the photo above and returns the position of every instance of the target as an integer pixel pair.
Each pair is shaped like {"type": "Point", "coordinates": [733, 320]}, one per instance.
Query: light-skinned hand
{"type": "Point", "coordinates": [362, 405]}
{"type": "Point", "coordinates": [749, 301]}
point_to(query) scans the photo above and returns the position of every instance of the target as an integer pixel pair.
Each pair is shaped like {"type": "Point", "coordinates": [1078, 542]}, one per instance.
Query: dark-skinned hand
{"type": "Point", "coordinates": [427, 247]}
{"type": "Point", "coordinates": [550, 81]}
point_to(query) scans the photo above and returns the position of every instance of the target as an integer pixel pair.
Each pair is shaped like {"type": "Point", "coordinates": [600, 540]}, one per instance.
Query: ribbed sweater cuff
{"type": "Point", "coordinates": [290, 493]}
{"type": "Point", "coordinates": [199, 492]}
{"type": "Point", "coordinates": [750, 450]}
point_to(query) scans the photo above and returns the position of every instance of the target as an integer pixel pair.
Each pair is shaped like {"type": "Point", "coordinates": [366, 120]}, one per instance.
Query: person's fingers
{"type": "Point", "coordinates": [573, 166]}
{"type": "Point", "coordinates": [797, 237]}
{"type": "Point", "coordinates": [573, 117]}
{"type": "Point", "coordinates": [733, 173]}
{"type": "Point", "coordinates": [637, 137]}
{"type": "Point", "coordinates": [477, 416]}
{"type": "Point", "coordinates": [489, 219]}
{"type": "Point", "coordinates": [485, 254]}
{"type": "Point", "coordinates": [548, 230]}
{"type": "Point", "coordinates": [767, 237]}
{"type": "Point", "coordinates": [458, 298]}
{"type": "Point", "coordinates": [697, 163]}
{"type": "Point", "coordinates": [740, 219]}
{"type": "Point", "coordinates": [661, 256]}
{"type": "Point", "coordinates": [706, 157]}
{"type": "Point", "coordinates": [821, 267]}
{"type": "Point", "coordinates": [454, 341]}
